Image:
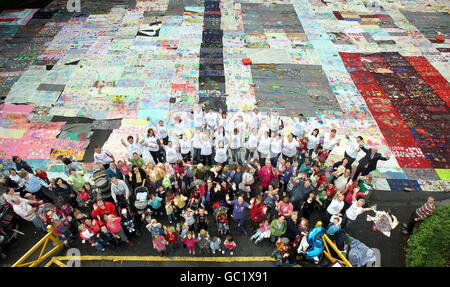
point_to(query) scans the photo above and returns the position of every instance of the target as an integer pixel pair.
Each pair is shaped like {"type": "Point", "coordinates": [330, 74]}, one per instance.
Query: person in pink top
{"type": "Point", "coordinates": [349, 196]}
{"type": "Point", "coordinates": [113, 224]}
{"type": "Point", "coordinates": [124, 168]}
{"type": "Point", "coordinates": [262, 232]}
{"type": "Point", "coordinates": [266, 174]}
{"type": "Point", "coordinates": [159, 243]}
{"type": "Point", "coordinates": [190, 242]}
{"type": "Point", "coordinates": [284, 207]}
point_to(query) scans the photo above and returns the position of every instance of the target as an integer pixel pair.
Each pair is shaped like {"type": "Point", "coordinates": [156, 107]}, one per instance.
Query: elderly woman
{"type": "Point", "coordinates": [203, 173]}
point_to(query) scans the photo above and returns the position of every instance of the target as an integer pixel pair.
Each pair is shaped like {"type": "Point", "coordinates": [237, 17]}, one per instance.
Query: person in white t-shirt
{"type": "Point", "coordinates": [240, 125]}
{"type": "Point", "coordinates": [274, 122]}
{"type": "Point", "coordinates": [289, 148]}
{"type": "Point", "coordinates": [206, 151]}
{"type": "Point", "coordinates": [344, 181]}
{"type": "Point", "coordinates": [133, 146]}
{"type": "Point", "coordinates": [211, 120]}
{"type": "Point", "coordinates": [171, 153]}
{"type": "Point", "coordinates": [178, 124]}
{"type": "Point", "coordinates": [353, 211]}
{"type": "Point", "coordinates": [151, 142]}
{"type": "Point", "coordinates": [252, 144]}
{"type": "Point", "coordinates": [255, 119]}
{"type": "Point", "coordinates": [161, 128]}
{"type": "Point", "coordinates": [331, 140]}
{"type": "Point", "coordinates": [23, 208]}
{"type": "Point", "coordinates": [185, 147]}
{"type": "Point", "coordinates": [334, 208]}
{"type": "Point", "coordinates": [197, 145]}
{"type": "Point", "coordinates": [264, 148]}
{"type": "Point", "coordinates": [313, 142]}
{"type": "Point", "coordinates": [352, 150]}
{"type": "Point", "coordinates": [298, 127]}
{"type": "Point", "coordinates": [223, 120]}
{"type": "Point", "coordinates": [235, 145]}
{"type": "Point", "coordinates": [220, 135]}
{"type": "Point", "coordinates": [103, 157]}
{"type": "Point", "coordinates": [198, 116]}
{"type": "Point", "coordinates": [276, 146]}
{"type": "Point", "coordinates": [221, 155]}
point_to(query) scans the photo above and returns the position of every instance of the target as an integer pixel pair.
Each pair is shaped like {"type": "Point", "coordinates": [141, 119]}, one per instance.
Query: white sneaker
{"type": "Point", "coordinates": [231, 252]}
{"type": "Point", "coordinates": [223, 251]}
{"type": "Point", "coordinates": [214, 252]}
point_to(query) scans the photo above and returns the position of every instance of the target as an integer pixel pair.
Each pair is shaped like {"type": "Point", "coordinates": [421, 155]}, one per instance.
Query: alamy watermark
{"type": "Point", "coordinates": [76, 260]}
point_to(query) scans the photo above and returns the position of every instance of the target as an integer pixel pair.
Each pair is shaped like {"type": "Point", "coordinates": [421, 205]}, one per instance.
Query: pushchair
{"type": "Point", "coordinates": [46, 207]}
{"type": "Point", "coordinates": [9, 223]}
{"type": "Point", "coordinates": [43, 209]}
{"type": "Point", "coordinates": [218, 212]}
{"type": "Point", "coordinates": [141, 201]}
{"type": "Point", "coordinates": [128, 220]}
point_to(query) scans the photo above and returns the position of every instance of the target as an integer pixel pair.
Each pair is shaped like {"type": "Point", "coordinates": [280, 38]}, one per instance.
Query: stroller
{"type": "Point", "coordinates": [8, 225]}
{"type": "Point", "coordinates": [43, 209]}
{"type": "Point", "coordinates": [219, 211]}
{"type": "Point", "coordinates": [128, 220]}
{"type": "Point", "coordinates": [141, 199]}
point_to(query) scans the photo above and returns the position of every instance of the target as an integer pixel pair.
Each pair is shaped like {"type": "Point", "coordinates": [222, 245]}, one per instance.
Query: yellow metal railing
{"type": "Point", "coordinates": [50, 236]}
{"type": "Point", "coordinates": [327, 242]}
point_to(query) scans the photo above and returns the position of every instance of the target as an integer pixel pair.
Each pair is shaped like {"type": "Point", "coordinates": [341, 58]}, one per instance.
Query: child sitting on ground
{"type": "Point", "coordinates": [262, 232]}
{"type": "Point", "coordinates": [229, 244]}
{"type": "Point", "coordinates": [214, 244]}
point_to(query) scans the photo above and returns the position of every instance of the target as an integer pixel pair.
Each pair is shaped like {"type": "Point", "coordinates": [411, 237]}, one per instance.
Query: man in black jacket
{"type": "Point", "coordinates": [369, 161]}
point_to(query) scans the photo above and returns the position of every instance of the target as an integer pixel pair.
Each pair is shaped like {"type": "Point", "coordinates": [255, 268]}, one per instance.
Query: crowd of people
{"type": "Point", "coordinates": [251, 176]}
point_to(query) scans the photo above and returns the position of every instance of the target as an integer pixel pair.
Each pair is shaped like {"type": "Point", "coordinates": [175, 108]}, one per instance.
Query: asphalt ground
{"type": "Point", "coordinates": [401, 204]}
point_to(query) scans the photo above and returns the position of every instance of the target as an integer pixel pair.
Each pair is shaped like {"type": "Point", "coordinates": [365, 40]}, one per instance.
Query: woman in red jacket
{"type": "Point", "coordinates": [103, 208]}
{"type": "Point", "coordinates": [266, 174]}
{"type": "Point", "coordinates": [257, 211]}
